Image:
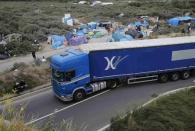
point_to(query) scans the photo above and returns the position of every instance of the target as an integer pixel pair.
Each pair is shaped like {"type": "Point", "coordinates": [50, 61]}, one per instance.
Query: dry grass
{"type": "Point", "coordinates": [33, 76]}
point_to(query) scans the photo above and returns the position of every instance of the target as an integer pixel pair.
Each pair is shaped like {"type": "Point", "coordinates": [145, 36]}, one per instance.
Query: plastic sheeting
{"type": "Point", "coordinates": [139, 23]}
{"type": "Point", "coordinates": [69, 35]}
{"type": "Point", "coordinates": [177, 20]}
{"type": "Point", "coordinates": [57, 41]}
{"type": "Point", "coordinates": [80, 33]}
{"type": "Point", "coordinates": [127, 38]}
{"type": "Point", "coordinates": [92, 25]}
{"type": "Point", "coordinates": [119, 35]}
{"type": "Point", "coordinates": [98, 34]}
{"type": "Point", "coordinates": [68, 20]}
{"type": "Point", "coordinates": [77, 40]}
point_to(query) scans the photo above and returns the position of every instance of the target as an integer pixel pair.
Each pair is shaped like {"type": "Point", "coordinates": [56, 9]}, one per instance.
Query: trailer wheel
{"type": "Point", "coordinates": [185, 75]}
{"type": "Point", "coordinates": [175, 76]}
{"type": "Point", "coordinates": [163, 78]}
{"type": "Point", "coordinates": [79, 95]}
{"type": "Point", "coordinates": [113, 84]}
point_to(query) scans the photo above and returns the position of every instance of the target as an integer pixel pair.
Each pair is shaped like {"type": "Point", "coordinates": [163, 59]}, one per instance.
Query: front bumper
{"type": "Point", "coordinates": [63, 97]}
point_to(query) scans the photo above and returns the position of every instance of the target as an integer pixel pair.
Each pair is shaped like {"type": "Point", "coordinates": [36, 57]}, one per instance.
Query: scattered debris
{"type": "Point", "coordinates": [82, 2]}
{"type": "Point", "coordinates": [68, 20]}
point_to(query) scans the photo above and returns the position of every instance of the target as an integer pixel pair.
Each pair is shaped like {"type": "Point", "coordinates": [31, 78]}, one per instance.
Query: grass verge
{"type": "Point", "coordinates": [33, 75]}
{"type": "Point", "coordinates": [171, 113]}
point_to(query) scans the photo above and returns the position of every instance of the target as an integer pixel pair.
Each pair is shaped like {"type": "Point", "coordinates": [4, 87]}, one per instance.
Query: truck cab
{"type": "Point", "coordinates": [70, 75]}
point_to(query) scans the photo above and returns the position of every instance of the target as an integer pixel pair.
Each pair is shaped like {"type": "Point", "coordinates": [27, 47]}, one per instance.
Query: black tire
{"type": "Point", "coordinates": [79, 95]}
{"type": "Point", "coordinates": [113, 84]}
{"type": "Point", "coordinates": [175, 76]}
{"type": "Point", "coordinates": [185, 75]}
{"type": "Point", "coordinates": [163, 78]}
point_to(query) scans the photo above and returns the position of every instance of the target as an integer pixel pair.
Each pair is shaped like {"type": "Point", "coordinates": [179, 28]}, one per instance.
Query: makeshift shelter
{"type": "Point", "coordinates": [92, 25]}
{"type": "Point", "coordinates": [69, 35]}
{"type": "Point", "coordinates": [68, 20]}
{"type": "Point", "coordinates": [57, 41]}
{"type": "Point", "coordinates": [80, 33]}
{"type": "Point", "coordinates": [127, 38]}
{"type": "Point", "coordinates": [77, 40]}
{"type": "Point", "coordinates": [143, 23]}
{"type": "Point", "coordinates": [193, 19]}
{"type": "Point", "coordinates": [178, 20]}
{"type": "Point", "coordinates": [136, 34]}
{"type": "Point", "coordinates": [120, 35]}
{"type": "Point", "coordinates": [98, 34]}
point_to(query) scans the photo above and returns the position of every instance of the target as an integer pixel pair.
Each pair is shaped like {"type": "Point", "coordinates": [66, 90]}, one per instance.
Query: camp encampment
{"type": "Point", "coordinates": [179, 20]}
{"type": "Point", "coordinates": [57, 41]}
{"type": "Point", "coordinates": [77, 40]}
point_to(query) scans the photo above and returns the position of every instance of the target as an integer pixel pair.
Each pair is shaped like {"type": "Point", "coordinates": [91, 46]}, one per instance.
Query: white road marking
{"type": "Point", "coordinates": [57, 111]}
{"type": "Point", "coordinates": [104, 128]}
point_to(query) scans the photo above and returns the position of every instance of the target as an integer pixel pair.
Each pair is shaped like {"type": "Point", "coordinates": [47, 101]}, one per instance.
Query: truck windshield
{"type": "Point", "coordinates": [63, 76]}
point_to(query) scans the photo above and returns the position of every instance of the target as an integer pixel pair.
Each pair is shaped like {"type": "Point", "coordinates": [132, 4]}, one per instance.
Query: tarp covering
{"type": "Point", "coordinates": [119, 35]}
{"type": "Point", "coordinates": [92, 25]}
{"type": "Point", "coordinates": [136, 34]}
{"type": "Point", "coordinates": [193, 19]}
{"type": "Point", "coordinates": [69, 35]}
{"type": "Point", "coordinates": [57, 41]}
{"type": "Point", "coordinates": [143, 23]}
{"type": "Point", "coordinates": [80, 33]}
{"type": "Point", "coordinates": [98, 34]}
{"type": "Point", "coordinates": [177, 20]}
{"type": "Point", "coordinates": [68, 20]}
{"type": "Point", "coordinates": [77, 40]}
{"type": "Point", "coordinates": [127, 38]}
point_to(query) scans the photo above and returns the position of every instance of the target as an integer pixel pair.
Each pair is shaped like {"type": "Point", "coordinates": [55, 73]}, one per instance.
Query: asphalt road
{"type": "Point", "coordinates": [8, 63]}
{"type": "Point", "coordinates": [96, 111]}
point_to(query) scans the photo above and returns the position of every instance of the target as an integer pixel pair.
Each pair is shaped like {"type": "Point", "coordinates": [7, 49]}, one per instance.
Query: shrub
{"type": "Point", "coordinates": [30, 28]}
{"type": "Point", "coordinates": [18, 48]}
{"type": "Point", "coordinates": [161, 115]}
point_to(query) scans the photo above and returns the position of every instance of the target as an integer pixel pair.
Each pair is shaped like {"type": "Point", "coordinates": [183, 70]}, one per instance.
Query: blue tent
{"type": "Point", "coordinates": [127, 38]}
{"type": "Point", "coordinates": [57, 41]}
{"type": "Point", "coordinates": [144, 23]}
{"type": "Point", "coordinates": [69, 35]}
{"type": "Point", "coordinates": [193, 19]}
{"type": "Point", "coordinates": [92, 25]}
{"type": "Point", "coordinates": [80, 33]}
{"type": "Point", "coordinates": [176, 21]}
{"type": "Point", "coordinates": [119, 35]}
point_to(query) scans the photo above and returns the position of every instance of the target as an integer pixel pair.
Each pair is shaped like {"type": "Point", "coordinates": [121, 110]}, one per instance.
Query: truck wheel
{"type": "Point", "coordinates": [185, 75]}
{"type": "Point", "coordinates": [163, 78]}
{"type": "Point", "coordinates": [113, 84]}
{"type": "Point", "coordinates": [79, 95]}
{"type": "Point", "coordinates": [175, 76]}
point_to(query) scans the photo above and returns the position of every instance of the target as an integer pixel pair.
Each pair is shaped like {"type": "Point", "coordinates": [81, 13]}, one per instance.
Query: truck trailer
{"type": "Point", "coordinates": [94, 67]}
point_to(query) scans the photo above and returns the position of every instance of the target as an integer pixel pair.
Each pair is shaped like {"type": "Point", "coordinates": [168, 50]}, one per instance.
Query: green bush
{"type": "Point", "coordinates": [30, 29]}
{"type": "Point", "coordinates": [18, 48]}
{"type": "Point", "coordinates": [161, 115]}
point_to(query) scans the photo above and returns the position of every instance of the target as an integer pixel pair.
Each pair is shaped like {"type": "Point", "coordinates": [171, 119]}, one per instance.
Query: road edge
{"type": "Point", "coordinates": [26, 93]}
{"type": "Point", "coordinates": [152, 100]}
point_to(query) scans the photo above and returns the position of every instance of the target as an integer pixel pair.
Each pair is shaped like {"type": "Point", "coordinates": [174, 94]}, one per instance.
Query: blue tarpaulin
{"type": "Point", "coordinates": [127, 38]}
{"type": "Point", "coordinates": [119, 35]}
{"type": "Point", "coordinates": [80, 33]}
{"type": "Point", "coordinates": [57, 41]}
{"type": "Point", "coordinates": [77, 40]}
{"type": "Point", "coordinates": [139, 23]}
{"type": "Point", "coordinates": [92, 25]}
{"type": "Point", "coordinates": [69, 35]}
{"type": "Point", "coordinates": [177, 20]}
